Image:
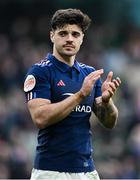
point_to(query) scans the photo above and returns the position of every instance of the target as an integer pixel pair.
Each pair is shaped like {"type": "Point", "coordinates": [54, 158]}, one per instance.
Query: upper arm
{"type": "Point", "coordinates": [35, 106]}
{"type": "Point", "coordinates": [37, 91]}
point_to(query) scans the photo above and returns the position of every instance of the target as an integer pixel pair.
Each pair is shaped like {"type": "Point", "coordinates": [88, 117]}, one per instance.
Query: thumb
{"type": "Point", "coordinates": [109, 76]}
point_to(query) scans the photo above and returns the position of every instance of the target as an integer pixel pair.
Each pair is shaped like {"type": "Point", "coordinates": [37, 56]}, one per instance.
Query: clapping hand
{"type": "Point", "coordinates": [109, 87]}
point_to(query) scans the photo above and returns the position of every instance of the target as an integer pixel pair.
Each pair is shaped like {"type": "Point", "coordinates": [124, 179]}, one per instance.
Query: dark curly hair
{"type": "Point", "coordinates": [70, 16]}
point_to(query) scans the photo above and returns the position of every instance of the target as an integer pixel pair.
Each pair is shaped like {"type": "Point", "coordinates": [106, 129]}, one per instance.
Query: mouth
{"type": "Point", "coordinates": [68, 46]}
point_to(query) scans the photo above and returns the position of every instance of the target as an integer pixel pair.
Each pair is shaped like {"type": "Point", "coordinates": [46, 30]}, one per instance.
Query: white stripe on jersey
{"type": "Point", "coordinates": [31, 95]}
{"type": "Point", "coordinates": [28, 96]}
{"type": "Point", "coordinates": [43, 63]}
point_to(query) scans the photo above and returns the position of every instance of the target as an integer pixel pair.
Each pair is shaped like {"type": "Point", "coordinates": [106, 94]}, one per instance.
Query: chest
{"type": "Point", "coordinates": [66, 84]}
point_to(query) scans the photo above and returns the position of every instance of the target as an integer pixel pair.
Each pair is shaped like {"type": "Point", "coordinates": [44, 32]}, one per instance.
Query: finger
{"type": "Point", "coordinates": [95, 78]}
{"type": "Point", "coordinates": [109, 76]}
{"type": "Point", "coordinates": [111, 92]}
{"type": "Point", "coordinates": [117, 82]}
{"type": "Point", "coordinates": [100, 71]}
{"type": "Point", "coordinates": [112, 86]}
{"type": "Point", "coordinates": [118, 79]}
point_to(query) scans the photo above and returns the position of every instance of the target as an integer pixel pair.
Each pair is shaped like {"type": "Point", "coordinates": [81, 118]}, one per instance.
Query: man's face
{"type": "Point", "coordinates": [67, 40]}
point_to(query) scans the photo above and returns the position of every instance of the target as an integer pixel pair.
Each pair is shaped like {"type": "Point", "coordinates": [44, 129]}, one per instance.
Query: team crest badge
{"type": "Point", "coordinates": [29, 83]}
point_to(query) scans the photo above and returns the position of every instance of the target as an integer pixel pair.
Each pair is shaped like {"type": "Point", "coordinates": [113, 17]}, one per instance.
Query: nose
{"type": "Point", "coordinates": [70, 37]}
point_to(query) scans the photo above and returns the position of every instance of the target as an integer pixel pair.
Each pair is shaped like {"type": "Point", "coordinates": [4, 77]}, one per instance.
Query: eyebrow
{"type": "Point", "coordinates": [65, 31]}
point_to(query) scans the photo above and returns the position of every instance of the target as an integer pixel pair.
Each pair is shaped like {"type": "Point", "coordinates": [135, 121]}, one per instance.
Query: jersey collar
{"type": "Point", "coordinates": [62, 66]}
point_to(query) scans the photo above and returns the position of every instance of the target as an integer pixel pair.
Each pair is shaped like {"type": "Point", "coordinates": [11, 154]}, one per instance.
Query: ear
{"type": "Point", "coordinates": [82, 39]}
{"type": "Point", "coordinates": [52, 36]}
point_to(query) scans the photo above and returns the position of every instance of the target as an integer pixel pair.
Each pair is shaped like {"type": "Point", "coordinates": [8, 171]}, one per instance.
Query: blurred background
{"type": "Point", "coordinates": [112, 43]}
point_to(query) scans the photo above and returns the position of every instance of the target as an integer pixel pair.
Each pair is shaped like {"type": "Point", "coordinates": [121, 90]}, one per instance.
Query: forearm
{"type": "Point", "coordinates": [107, 113]}
{"type": "Point", "coordinates": [44, 113]}
{"type": "Point", "coordinates": [48, 114]}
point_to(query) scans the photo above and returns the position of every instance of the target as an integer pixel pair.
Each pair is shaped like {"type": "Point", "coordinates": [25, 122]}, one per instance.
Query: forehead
{"type": "Point", "coordinates": [70, 28]}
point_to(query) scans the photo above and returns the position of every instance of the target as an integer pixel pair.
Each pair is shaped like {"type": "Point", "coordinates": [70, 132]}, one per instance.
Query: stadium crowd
{"type": "Point", "coordinates": [117, 152]}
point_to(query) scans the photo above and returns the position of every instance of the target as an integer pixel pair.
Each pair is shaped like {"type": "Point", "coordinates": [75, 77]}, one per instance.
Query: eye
{"type": "Point", "coordinates": [62, 33]}
{"type": "Point", "coordinates": [76, 34]}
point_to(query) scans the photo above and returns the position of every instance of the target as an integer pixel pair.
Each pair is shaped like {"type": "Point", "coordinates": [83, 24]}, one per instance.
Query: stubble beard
{"type": "Point", "coordinates": [67, 53]}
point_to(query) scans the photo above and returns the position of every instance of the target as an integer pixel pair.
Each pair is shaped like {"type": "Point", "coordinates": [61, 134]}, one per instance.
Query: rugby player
{"type": "Point", "coordinates": [61, 93]}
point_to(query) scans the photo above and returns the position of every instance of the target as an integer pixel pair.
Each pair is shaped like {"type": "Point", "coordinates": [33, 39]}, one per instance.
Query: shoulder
{"type": "Point", "coordinates": [37, 73]}
{"type": "Point", "coordinates": [86, 68]}
{"type": "Point", "coordinates": [44, 63]}
{"type": "Point", "coordinates": [40, 68]}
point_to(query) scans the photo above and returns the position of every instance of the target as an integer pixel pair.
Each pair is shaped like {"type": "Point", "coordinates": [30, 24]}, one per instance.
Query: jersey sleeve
{"type": "Point", "coordinates": [37, 84]}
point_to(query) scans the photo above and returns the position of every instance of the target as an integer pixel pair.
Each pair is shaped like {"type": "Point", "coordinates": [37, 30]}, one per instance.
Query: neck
{"type": "Point", "coordinates": [64, 58]}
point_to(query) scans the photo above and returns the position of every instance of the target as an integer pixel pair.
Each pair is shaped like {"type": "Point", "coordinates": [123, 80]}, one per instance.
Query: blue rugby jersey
{"type": "Point", "coordinates": [65, 146]}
